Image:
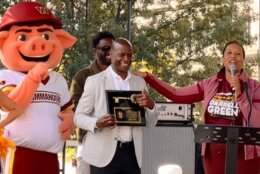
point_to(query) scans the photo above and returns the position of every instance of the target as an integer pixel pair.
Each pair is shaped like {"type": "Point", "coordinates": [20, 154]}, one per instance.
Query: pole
{"type": "Point", "coordinates": [129, 7]}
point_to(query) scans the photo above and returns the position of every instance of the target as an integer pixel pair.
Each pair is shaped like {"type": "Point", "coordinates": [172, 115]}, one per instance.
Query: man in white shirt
{"type": "Point", "coordinates": [108, 148]}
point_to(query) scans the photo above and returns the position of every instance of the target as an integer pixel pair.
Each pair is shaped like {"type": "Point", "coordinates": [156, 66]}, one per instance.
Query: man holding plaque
{"type": "Point", "coordinates": [111, 148]}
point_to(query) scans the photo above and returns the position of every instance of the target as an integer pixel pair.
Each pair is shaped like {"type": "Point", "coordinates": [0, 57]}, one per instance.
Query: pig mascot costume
{"type": "Point", "coordinates": [31, 44]}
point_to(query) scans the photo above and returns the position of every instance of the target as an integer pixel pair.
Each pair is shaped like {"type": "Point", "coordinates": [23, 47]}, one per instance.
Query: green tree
{"type": "Point", "coordinates": [178, 35]}
{"type": "Point", "coordinates": [179, 42]}
{"type": "Point", "coordinates": [189, 33]}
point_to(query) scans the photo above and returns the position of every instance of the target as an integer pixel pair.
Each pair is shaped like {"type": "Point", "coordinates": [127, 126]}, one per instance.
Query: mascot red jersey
{"type": "Point", "coordinates": [31, 44]}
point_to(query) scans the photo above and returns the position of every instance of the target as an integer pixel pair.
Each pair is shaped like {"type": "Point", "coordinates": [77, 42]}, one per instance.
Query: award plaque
{"type": "Point", "coordinates": [122, 104]}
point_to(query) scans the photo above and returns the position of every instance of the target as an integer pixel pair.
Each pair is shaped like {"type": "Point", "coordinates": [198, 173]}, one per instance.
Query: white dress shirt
{"type": "Point", "coordinates": [124, 132]}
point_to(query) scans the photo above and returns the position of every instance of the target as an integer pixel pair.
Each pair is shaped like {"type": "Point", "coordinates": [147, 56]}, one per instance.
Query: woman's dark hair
{"type": "Point", "coordinates": [101, 35]}
{"type": "Point", "coordinates": [234, 42]}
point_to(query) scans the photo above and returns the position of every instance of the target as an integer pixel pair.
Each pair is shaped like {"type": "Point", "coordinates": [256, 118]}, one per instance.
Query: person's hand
{"type": "Point", "coordinates": [39, 72]}
{"type": "Point", "coordinates": [106, 121]}
{"type": "Point", "coordinates": [144, 99]}
{"type": "Point", "coordinates": [67, 127]}
{"type": "Point", "coordinates": [140, 73]}
{"type": "Point", "coordinates": [235, 85]}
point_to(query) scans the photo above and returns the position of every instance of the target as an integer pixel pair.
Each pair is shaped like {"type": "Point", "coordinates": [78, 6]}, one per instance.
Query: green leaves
{"type": "Point", "coordinates": [180, 42]}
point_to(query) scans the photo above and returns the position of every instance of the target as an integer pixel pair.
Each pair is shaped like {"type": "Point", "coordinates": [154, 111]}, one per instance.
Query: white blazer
{"type": "Point", "coordinates": [99, 146]}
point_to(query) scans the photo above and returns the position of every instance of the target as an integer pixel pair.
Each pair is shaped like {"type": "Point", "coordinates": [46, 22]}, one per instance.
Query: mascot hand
{"type": "Point", "coordinates": [67, 126]}
{"type": "Point", "coordinates": [39, 72]}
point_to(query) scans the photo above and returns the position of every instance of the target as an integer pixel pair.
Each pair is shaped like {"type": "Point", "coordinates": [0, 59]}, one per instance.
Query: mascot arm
{"type": "Point", "coordinates": [67, 126]}
{"type": "Point", "coordinates": [9, 105]}
{"type": "Point", "coordinates": [24, 92]}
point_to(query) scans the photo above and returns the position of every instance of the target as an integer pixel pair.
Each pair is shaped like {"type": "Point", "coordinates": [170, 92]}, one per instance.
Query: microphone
{"type": "Point", "coordinates": [232, 69]}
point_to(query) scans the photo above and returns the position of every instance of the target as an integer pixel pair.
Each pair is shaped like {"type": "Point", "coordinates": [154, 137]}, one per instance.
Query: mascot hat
{"type": "Point", "coordinates": [28, 12]}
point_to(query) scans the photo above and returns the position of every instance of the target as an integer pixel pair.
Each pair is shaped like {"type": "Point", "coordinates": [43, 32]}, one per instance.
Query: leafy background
{"type": "Point", "coordinates": [180, 42]}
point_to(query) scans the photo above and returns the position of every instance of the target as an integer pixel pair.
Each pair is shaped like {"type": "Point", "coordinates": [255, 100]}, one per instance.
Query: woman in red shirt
{"type": "Point", "coordinates": [229, 98]}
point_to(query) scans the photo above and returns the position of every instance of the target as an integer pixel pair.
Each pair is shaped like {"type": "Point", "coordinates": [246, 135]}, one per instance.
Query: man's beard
{"type": "Point", "coordinates": [105, 61]}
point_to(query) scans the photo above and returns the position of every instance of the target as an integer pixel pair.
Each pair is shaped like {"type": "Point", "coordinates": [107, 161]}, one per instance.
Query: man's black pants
{"type": "Point", "coordinates": [124, 161]}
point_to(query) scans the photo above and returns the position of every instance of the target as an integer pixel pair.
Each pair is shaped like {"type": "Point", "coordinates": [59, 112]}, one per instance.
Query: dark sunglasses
{"type": "Point", "coordinates": [105, 48]}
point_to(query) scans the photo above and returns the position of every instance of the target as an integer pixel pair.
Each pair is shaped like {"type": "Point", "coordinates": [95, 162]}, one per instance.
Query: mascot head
{"type": "Point", "coordinates": [29, 34]}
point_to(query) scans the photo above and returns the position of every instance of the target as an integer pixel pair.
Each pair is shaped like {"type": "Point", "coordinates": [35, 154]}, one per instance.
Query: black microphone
{"type": "Point", "coordinates": [232, 69]}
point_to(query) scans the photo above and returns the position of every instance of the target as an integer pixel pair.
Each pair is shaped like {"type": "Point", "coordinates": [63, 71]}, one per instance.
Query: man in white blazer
{"type": "Point", "coordinates": [108, 148]}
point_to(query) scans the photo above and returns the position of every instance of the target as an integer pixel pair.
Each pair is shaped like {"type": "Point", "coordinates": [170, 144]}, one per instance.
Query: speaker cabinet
{"type": "Point", "coordinates": [168, 145]}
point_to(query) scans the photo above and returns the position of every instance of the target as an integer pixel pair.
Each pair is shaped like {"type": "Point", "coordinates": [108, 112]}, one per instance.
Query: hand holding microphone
{"type": "Point", "coordinates": [232, 69]}
{"type": "Point", "coordinates": [234, 82]}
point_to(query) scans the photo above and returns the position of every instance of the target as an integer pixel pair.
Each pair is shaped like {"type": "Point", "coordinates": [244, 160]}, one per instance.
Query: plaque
{"type": "Point", "coordinates": [122, 104]}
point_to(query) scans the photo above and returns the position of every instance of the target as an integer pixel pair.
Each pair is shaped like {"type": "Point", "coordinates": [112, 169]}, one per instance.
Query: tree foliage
{"type": "Point", "coordinates": [179, 42]}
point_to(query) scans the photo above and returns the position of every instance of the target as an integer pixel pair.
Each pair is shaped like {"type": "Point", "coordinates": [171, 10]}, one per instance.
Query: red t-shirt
{"type": "Point", "coordinates": [223, 109]}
